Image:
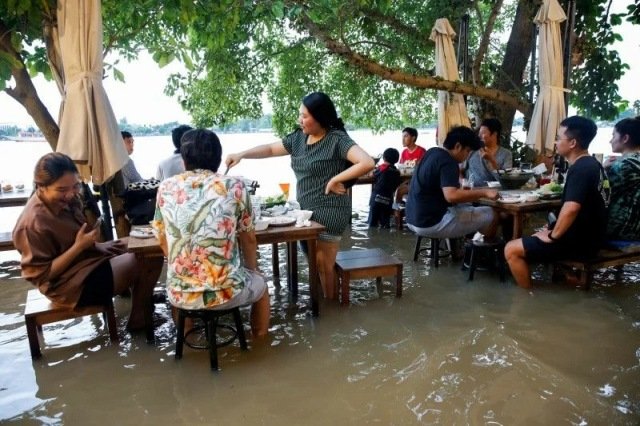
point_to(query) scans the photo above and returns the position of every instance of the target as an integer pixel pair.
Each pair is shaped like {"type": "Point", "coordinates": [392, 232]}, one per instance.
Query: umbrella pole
{"type": "Point", "coordinates": [106, 212]}
{"type": "Point", "coordinates": [568, 48]}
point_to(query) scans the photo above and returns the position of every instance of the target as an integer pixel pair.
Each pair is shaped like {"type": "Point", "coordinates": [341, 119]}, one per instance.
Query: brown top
{"type": "Point", "coordinates": [41, 236]}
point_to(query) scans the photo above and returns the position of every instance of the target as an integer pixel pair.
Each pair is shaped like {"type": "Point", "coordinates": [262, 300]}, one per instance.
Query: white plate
{"type": "Point", "coordinates": [282, 221]}
{"type": "Point", "coordinates": [509, 200]}
{"type": "Point", "coordinates": [141, 233]}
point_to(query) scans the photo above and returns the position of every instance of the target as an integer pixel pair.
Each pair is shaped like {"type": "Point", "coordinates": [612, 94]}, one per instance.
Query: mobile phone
{"type": "Point", "coordinates": [98, 223]}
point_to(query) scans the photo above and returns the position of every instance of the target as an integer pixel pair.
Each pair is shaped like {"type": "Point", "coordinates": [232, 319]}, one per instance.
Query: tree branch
{"type": "Point", "coordinates": [369, 66]}
{"type": "Point", "coordinates": [484, 41]}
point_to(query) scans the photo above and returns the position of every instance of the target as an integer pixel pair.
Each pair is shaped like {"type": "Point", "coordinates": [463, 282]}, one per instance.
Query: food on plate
{"type": "Point", "coordinates": [551, 188]}
{"type": "Point", "coordinates": [275, 200]}
{"type": "Point", "coordinates": [7, 187]}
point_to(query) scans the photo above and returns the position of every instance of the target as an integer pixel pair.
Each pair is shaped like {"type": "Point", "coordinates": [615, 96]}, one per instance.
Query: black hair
{"type": "Point", "coordinates": [493, 124]}
{"type": "Point", "coordinates": [464, 136]}
{"type": "Point", "coordinates": [51, 167]}
{"type": "Point", "coordinates": [630, 127]}
{"type": "Point", "coordinates": [582, 129]}
{"type": "Point", "coordinates": [176, 135]}
{"type": "Point", "coordinates": [391, 155]}
{"type": "Point", "coordinates": [201, 149]}
{"type": "Point", "coordinates": [412, 132]}
{"type": "Point", "coordinates": [125, 134]}
{"type": "Point", "coordinates": [322, 109]}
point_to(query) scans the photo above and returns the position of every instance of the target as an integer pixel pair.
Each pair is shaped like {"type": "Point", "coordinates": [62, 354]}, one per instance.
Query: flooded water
{"type": "Point", "coordinates": [448, 351]}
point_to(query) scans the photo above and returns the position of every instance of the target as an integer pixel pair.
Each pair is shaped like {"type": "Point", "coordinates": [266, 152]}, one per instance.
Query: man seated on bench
{"type": "Point", "coordinates": [61, 254]}
{"type": "Point", "coordinates": [437, 206]}
{"type": "Point", "coordinates": [579, 231]}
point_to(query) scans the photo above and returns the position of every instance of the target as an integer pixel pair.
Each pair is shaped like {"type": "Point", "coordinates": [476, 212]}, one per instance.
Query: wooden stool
{"type": "Point", "coordinates": [39, 311]}
{"type": "Point", "coordinates": [210, 318]}
{"type": "Point", "coordinates": [365, 264]}
{"type": "Point", "coordinates": [434, 250]}
{"type": "Point", "coordinates": [398, 215]}
{"type": "Point", "coordinates": [493, 248]}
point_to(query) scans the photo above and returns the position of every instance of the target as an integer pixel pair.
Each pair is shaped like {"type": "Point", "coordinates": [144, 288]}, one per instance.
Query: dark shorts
{"type": "Point", "coordinates": [97, 288]}
{"type": "Point", "coordinates": [537, 250]}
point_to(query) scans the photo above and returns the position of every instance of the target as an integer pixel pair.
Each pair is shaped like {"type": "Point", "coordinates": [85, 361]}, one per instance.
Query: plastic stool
{"type": "Point", "coordinates": [495, 248]}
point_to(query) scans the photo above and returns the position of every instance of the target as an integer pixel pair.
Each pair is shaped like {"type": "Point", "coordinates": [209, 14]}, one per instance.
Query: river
{"type": "Point", "coordinates": [448, 351]}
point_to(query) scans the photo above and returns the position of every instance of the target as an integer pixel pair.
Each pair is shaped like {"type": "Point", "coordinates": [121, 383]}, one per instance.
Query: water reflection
{"type": "Point", "coordinates": [449, 351]}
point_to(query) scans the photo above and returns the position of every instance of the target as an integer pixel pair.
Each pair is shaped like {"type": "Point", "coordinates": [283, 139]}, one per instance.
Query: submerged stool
{"type": "Point", "coordinates": [365, 264]}
{"type": "Point", "coordinates": [493, 250]}
{"type": "Point", "coordinates": [434, 249]}
{"type": "Point", "coordinates": [39, 311]}
{"type": "Point", "coordinates": [210, 319]}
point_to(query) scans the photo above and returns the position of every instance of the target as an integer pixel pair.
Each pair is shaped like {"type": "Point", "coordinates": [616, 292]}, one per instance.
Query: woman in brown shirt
{"type": "Point", "coordinates": [60, 251]}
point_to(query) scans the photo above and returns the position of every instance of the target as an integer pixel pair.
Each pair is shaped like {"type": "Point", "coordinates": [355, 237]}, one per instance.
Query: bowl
{"type": "Point", "coordinates": [493, 184]}
{"type": "Point", "coordinates": [531, 196]}
{"type": "Point", "coordinates": [302, 215]}
{"type": "Point", "coordinates": [514, 180]}
{"type": "Point", "coordinates": [261, 224]}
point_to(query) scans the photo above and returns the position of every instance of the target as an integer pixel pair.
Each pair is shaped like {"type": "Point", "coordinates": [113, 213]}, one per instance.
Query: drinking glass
{"type": "Point", "coordinates": [284, 186]}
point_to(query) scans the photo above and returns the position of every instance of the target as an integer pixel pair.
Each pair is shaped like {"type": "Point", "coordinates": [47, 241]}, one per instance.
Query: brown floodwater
{"type": "Point", "coordinates": [448, 351]}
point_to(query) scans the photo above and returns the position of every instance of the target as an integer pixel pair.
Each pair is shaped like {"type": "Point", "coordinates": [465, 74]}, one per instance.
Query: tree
{"type": "Point", "coordinates": [373, 56]}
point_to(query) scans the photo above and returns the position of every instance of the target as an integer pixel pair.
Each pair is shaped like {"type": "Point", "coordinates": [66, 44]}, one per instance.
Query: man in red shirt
{"type": "Point", "coordinates": [412, 153]}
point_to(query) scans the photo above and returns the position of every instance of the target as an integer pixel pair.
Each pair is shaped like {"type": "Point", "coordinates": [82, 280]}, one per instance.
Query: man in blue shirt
{"type": "Point", "coordinates": [437, 206]}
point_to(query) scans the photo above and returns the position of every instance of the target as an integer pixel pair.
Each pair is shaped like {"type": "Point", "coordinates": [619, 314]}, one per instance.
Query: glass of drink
{"type": "Point", "coordinates": [284, 186]}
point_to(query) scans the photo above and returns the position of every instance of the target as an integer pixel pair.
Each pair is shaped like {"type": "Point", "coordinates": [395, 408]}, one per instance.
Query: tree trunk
{"type": "Point", "coordinates": [511, 73]}
{"type": "Point", "coordinates": [25, 93]}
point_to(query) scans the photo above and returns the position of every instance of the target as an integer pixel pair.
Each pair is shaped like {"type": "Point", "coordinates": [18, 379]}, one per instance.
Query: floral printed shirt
{"type": "Point", "coordinates": [200, 213]}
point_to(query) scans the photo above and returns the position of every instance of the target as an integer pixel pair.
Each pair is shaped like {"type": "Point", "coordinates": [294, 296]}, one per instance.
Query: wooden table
{"type": "Point", "coordinates": [519, 210]}
{"type": "Point", "coordinates": [150, 247]}
{"type": "Point", "coordinates": [14, 198]}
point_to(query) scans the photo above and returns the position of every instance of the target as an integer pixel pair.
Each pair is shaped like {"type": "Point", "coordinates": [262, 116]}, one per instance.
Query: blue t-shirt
{"type": "Point", "coordinates": [426, 204]}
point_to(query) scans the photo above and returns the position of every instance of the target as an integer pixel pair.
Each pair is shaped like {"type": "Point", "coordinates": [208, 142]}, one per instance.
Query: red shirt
{"type": "Point", "coordinates": [414, 156]}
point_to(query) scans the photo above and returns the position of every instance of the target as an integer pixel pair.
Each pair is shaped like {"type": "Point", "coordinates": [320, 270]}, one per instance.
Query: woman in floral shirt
{"type": "Point", "coordinates": [204, 223]}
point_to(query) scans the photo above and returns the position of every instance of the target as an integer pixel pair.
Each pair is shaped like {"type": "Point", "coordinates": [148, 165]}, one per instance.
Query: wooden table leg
{"type": "Point", "coordinates": [517, 226]}
{"type": "Point", "coordinates": [314, 279]}
{"type": "Point", "coordinates": [275, 262]}
{"type": "Point", "coordinates": [292, 267]}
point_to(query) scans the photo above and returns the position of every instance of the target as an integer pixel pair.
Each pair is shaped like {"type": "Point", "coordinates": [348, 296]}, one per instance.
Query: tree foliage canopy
{"type": "Point", "coordinates": [374, 57]}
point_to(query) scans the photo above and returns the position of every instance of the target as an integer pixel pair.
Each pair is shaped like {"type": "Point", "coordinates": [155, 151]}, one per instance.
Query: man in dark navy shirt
{"type": "Point", "coordinates": [437, 207]}
{"type": "Point", "coordinates": [579, 231]}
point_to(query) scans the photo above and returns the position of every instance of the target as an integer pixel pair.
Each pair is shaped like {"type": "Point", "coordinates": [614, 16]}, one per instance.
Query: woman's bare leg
{"type": "Point", "coordinates": [326, 253]}
{"type": "Point", "coordinates": [141, 276]}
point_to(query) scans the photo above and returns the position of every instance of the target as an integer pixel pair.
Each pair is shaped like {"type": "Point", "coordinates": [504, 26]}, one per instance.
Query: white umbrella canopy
{"type": "Point", "coordinates": [89, 131]}
{"type": "Point", "coordinates": [549, 110]}
{"type": "Point", "coordinates": [452, 110]}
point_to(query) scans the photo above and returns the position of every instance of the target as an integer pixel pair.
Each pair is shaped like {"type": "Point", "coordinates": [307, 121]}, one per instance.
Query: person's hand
{"type": "Point", "coordinates": [491, 194]}
{"type": "Point", "coordinates": [609, 161]}
{"type": "Point", "coordinates": [85, 239]}
{"type": "Point", "coordinates": [232, 160]}
{"type": "Point", "coordinates": [543, 234]}
{"type": "Point", "coordinates": [335, 187]}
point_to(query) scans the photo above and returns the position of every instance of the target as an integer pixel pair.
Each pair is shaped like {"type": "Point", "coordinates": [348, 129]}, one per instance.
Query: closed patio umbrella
{"type": "Point", "coordinates": [549, 110]}
{"type": "Point", "coordinates": [452, 110]}
{"type": "Point", "coordinates": [89, 131]}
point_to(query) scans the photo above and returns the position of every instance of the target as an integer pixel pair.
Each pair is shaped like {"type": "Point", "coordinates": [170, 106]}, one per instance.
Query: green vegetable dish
{"type": "Point", "coordinates": [276, 200]}
{"type": "Point", "coordinates": [551, 187]}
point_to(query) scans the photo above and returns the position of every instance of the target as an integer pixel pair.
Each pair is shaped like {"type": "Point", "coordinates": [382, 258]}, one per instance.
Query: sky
{"type": "Point", "coordinates": [141, 99]}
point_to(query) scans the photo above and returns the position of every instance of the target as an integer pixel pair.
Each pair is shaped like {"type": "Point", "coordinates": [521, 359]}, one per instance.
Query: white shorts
{"type": "Point", "coordinates": [251, 293]}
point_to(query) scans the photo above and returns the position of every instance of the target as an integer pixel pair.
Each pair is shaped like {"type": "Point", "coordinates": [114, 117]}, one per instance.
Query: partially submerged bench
{"type": "Point", "coordinates": [355, 264]}
{"type": "Point", "coordinates": [623, 253]}
{"type": "Point", "coordinates": [39, 311]}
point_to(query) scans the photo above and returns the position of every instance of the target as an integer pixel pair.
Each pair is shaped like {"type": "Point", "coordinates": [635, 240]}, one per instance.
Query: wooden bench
{"type": "Point", "coordinates": [604, 259]}
{"type": "Point", "coordinates": [354, 264]}
{"type": "Point", "coordinates": [6, 242]}
{"type": "Point", "coordinates": [39, 311]}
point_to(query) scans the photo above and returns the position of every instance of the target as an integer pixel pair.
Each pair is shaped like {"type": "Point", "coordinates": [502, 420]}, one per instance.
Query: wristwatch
{"type": "Point", "coordinates": [551, 236]}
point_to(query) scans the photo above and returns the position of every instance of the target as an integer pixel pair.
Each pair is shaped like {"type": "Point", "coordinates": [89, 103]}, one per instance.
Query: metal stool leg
{"type": "Point", "coordinates": [416, 251]}
{"type": "Point", "coordinates": [472, 263]}
{"type": "Point", "coordinates": [211, 327]}
{"type": "Point", "coordinates": [180, 334]}
{"type": "Point", "coordinates": [435, 251]}
{"type": "Point", "coordinates": [240, 329]}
